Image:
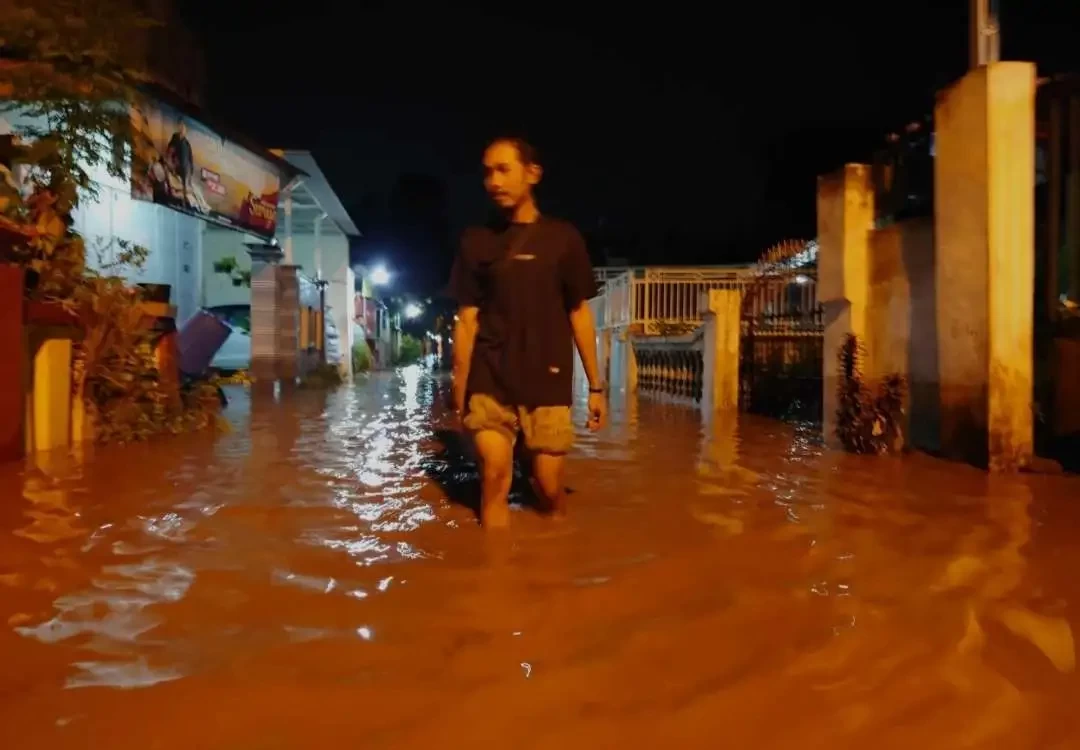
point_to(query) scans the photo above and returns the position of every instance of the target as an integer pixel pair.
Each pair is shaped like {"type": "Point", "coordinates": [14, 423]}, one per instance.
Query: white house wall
{"type": "Point", "coordinates": [219, 290]}
{"type": "Point", "coordinates": [173, 239]}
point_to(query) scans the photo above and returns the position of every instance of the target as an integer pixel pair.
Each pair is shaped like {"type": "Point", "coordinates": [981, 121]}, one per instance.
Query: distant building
{"type": "Point", "coordinates": [313, 232]}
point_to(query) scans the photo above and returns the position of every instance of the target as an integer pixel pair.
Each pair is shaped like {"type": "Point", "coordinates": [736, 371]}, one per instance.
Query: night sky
{"type": "Point", "coordinates": [673, 134]}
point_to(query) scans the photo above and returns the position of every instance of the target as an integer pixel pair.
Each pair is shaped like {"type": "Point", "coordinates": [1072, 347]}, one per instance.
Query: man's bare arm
{"type": "Point", "coordinates": [581, 321]}
{"type": "Point", "coordinates": [464, 339]}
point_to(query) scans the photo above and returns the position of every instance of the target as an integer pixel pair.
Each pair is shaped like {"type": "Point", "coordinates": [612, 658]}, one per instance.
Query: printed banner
{"type": "Point", "coordinates": [184, 165]}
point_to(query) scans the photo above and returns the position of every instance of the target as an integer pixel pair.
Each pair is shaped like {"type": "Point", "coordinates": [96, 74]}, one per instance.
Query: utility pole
{"type": "Point", "coordinates": [985, 33]}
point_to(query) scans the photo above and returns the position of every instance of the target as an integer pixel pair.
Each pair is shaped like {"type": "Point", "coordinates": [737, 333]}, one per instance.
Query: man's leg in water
{"type": "Point", "coordinates": [549, 481]}
{"type": "Point", "coordinates": [549, 435]}
{"type": "Point", "coordinates": [494, 428]}
{"type": "Point", "coordinates": [496, 453]}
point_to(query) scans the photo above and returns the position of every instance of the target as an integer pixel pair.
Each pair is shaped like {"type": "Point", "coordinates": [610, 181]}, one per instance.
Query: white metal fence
{"type": "Point", "coordinates": [661, 297]}
{"type": "Point", "coordinates": [670, 299]}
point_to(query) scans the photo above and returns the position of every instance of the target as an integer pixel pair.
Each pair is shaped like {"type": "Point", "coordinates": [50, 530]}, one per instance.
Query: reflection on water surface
{"type": "Point", "coordinates": [317, 575]}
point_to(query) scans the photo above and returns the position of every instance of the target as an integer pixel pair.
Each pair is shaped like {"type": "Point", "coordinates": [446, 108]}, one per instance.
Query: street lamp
{"type": "Point", "coordinates": [413, 310]}
{"type": "Point", "coordinates": [380, 276]}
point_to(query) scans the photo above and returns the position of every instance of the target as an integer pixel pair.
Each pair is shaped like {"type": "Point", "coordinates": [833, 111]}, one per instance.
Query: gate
{"type": "Point", "coordinates": [780, 365]}
{"type": "Point", "coordinates": [1057, 270]}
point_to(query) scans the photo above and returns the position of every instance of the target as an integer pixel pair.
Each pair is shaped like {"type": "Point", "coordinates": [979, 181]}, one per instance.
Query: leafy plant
{"type": "Point", "coordinates": [116, 374]}
{"type": "Point", "coordinates": [229, 267]}
{"type": "Point", "coordinates": [75, 68]}
{"type": "Point", "coordinates": [867, 422]}
{"type": "Point", "coordinates": [324, 375]}
{"type": "Point", "coordinates": [72, 74]}
{"type": "Point", "coordinates": [239, 377]}
{"type": "Point", "coordinates": [410, 350]}
{"type": "Point", "coordinates": [361, 357]}
{"type": "Point", "coordinates": [675, 329]}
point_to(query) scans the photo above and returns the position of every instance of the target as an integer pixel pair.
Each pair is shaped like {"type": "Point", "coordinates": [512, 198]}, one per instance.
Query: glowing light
{"type": "Point", "coordinates": [800, 279]}
{"type": "Point", "coordinates": [380, 276]}
{"type": "Point", "coordinates": [413, 310]}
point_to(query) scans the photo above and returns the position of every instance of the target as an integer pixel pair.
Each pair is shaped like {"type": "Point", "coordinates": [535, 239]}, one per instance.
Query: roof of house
{"type": "Point", "coordinates": [317, 187]}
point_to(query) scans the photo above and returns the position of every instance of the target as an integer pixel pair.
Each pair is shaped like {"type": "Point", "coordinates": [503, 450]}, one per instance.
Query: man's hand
{"type": "Point", "coordinates": [597, 411]}
{"type": "Point", "coordinates": [464, 337]}
{"type": "Point", "coordinates": [457, 399]}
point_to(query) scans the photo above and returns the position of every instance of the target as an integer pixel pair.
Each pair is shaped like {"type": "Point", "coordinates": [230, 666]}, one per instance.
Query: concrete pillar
{"type": "Point", "coordinates": [629, 363]}
{"type": "Point", "coordinates": [845, 219]}
{"type": "Point", "coordinates": [346, 319]}
{"type": "Point", "coordinates": [52, 395]}
{"type": "Point", "coordinates": [984, 174]}
{"type": "Point", "coordinates": [262, 256]}
{"type": "Point", "coordinates": [287, 245]}
{"type": "Point", "coordinates": [723, 323]}
{"type": "Point", "coordinates": [604, 356]}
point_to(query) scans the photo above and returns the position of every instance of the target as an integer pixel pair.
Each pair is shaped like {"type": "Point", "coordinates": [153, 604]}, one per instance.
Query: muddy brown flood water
{"type": "Point", "coordinates": [312, 578]}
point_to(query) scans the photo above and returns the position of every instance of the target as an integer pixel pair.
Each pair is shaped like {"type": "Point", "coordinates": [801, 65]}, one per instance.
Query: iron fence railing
{"type": "Point", "coordinates": [662, 299]}
{"type": "Point", "coordinates": [672, 366]}
{"type": "Point", "coordinates": [903, 174]}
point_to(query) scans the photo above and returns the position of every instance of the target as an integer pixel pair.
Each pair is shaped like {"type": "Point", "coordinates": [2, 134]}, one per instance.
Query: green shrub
{"type": "Point", "coordinates": [867, 423]}
{"type": "Point", "coordinates": [361, 356]}
{"type": "Point", "coordinates": [324, 375]}
{"type": "Point", "coordinates": [73, 98]}
{"type": "Point", "coordinates": [410, 350]}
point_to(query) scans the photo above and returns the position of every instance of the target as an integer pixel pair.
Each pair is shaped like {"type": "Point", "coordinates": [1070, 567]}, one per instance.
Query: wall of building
{"type": "Point", "coordinates": [174, 240]}
{"type": "Point", "coordinates": [901, 321]}
{"type": "Point", "coordinates": [947, 304]}
{"type": "Point", "coordinates": [218, 289]}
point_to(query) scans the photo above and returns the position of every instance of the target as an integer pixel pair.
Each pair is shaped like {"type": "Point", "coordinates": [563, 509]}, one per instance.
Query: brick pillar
{"type": "Point", "coordinates": [845, 219]}
{"type": "Point", "coordinates": [288, 317]}
{"type": "Point", "coordinates": [275, 322]}
{"type": "Point", "coordinates": [12, 364]}
{"type": "Point", "coordinates": [984, 174]}
{"type": "Point", "coordinates": [723, 331]}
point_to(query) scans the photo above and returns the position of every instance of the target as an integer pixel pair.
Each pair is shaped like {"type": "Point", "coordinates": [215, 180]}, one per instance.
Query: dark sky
{"type": "Point", "coordinates": [676, 133]}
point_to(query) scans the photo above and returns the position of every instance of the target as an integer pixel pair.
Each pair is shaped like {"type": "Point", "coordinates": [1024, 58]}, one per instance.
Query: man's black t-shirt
{"type": "Point", "coordinates": [526, 279]}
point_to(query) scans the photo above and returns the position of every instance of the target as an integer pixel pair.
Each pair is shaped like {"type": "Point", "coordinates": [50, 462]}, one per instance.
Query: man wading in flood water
{"type": "Point", "coordinates": [522, 286]}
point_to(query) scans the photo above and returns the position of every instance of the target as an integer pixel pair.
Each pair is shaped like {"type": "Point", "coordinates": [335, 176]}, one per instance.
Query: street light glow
{"type": "Point", "coordinates": [413, 310]}
{"type": "Point", "coordinates": [380, 276]}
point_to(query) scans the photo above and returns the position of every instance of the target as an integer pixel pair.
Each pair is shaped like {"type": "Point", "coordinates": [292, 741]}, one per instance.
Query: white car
{"type": "Point", "coordinates": [235, 353]}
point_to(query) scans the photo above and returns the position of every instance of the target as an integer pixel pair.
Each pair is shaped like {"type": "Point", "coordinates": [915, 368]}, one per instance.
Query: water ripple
{"type": "Point", "coordinates": [713, 575]}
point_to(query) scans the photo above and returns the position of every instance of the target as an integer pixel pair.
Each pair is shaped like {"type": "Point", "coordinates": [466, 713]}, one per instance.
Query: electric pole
{"type": "Point", "coordinates": [985, 33]}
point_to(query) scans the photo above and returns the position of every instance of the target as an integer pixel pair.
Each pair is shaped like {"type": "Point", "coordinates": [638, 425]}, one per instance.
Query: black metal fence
{"type": "Point", "coordinates": [780, 366]}
{"type": "Point", "coordinates": [676, 370]}
{"type": "Point", "coordinates": [903, 174]}
{"type": "Point", "coordinates": [1057, 264]}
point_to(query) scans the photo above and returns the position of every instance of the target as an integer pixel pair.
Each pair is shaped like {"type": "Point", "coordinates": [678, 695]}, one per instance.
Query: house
{"type": "Point", "coordinates": [375, 322]}
{"type": "Point", "coordinates": [313, 232]}
{"type": "Point", "coordinates": [193, 173]}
